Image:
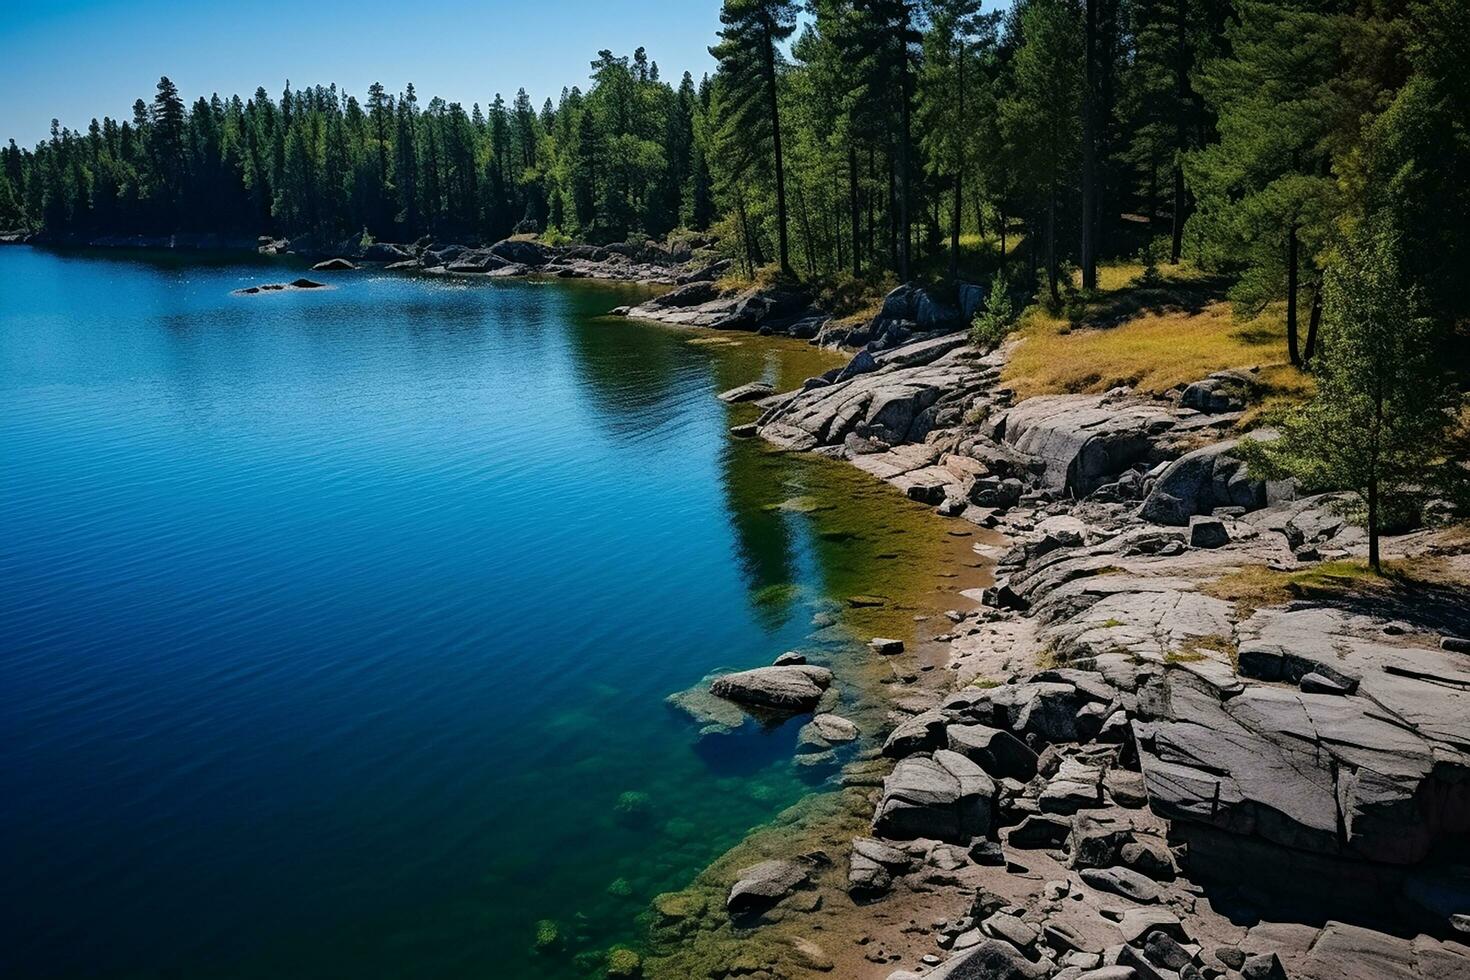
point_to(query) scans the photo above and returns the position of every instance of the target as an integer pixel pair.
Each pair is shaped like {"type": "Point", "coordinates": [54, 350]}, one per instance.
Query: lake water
{"type": "Point", "coordinates": [335, 626]}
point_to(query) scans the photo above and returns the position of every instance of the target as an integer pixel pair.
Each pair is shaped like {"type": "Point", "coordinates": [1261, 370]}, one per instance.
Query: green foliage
{"type": "Point", "coordinates": [998, 317]}
{"type": "Point", "coordinates": [1039, 116]}
{"type": "Point", "coordinates": [909, 132]}
{"type": "Point", "coordinates": [1384, 409]}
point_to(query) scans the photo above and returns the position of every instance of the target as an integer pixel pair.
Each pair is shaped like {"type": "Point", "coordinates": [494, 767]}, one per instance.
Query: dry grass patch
{"type": "Point", "coordinates": [1151, 335]}
{"type": "Point", "coordinates": [1256, 586]}
{"type": "Point", "coordinates": [1152, 353]}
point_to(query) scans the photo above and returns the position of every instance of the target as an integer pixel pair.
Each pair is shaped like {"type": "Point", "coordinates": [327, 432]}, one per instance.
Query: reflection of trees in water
{"type": "Point", "coordinates": [754, 483]}
{"type": "Point", "coordinates": [630, 372]}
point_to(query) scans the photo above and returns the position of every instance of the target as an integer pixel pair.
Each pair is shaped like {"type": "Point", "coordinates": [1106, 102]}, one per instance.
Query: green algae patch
{"type": "Point", "coordinates": [624, 962]}
{"type": "Point", "coordinates": [548, 936]}
{"type": "Point", "coordinates": [820, 829]}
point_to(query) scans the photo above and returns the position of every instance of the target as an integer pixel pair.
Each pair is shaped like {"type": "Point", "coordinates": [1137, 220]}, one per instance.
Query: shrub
{"type": "Point", "coordinates": [998, 317]}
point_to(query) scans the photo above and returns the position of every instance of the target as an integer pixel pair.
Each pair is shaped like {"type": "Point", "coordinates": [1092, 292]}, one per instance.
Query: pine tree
{"type": "Point", "coordinates": [1267, 197]}
{"type": "Point", "coordinates": [1041, 115]}
{"type": "Point", "coordinates": [1384, 408]}
{"type": "Point", "coordinates": [748, 59]}
{"type": "Point", "coordinates": [954, 46]}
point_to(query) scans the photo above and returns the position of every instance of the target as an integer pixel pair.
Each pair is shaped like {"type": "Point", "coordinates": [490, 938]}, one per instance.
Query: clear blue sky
{"type": "Point", "coordinates": [75, 59]}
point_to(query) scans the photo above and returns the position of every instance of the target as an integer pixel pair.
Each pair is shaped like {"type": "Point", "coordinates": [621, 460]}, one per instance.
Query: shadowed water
{"type": "Point", "coordinates": [335, 626]}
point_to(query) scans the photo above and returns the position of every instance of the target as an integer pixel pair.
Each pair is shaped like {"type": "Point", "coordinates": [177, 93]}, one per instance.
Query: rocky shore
{"type": "Point", "coordinates": [1181, 736]}
{"type": "Point", "coordinates": [680, 261]}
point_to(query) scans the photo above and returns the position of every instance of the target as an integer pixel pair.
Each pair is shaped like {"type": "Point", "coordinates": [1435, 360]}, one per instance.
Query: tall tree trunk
{"type": "Point", "coordinates": [806, 229]}
{"type": "Point", "coordinates": [1153, 191]}
{"type": "Point", "coordinates": [868, 196]}
{"type": "Point", "coordinates": [954, 231]}
{"type": "Point", "coordinates": [833, 220]}
{"type": "Point", "coordinates": [1105, 208]}
{"type": "Point", "coordinates": [1089, 148]}
{"type": "Point", "coordinates": [1051, 243]}
{"type": "Point", "coordinates": [1292, 262]}
{"type": "Point", "coordinates": [959, 178]}
{"type": "Point", "coordinates": [854, 205]}
{"type": "Point", "coordinates": [1314, 320]}
{"type": "Point", "coordinates": [905, 136]}
{"type": "Point", "coordinates": [745, 234]}
{"type": "Point", "coordinates": [1373, 486]}
{"type": "Point", "coordinates": [1181, 126]}
{"type": "Point", "coordinates": [893, 212]}
{"type": "Point", "coordinates": [770, 55]}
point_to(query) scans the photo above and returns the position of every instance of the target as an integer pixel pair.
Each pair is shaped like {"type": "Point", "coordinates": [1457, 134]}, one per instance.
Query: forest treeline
{"type": "Point", "coordinates": [863, 136]}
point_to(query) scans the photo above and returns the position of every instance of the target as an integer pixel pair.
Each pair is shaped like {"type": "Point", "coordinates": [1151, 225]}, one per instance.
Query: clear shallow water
{"type": "Point", "coordinates": [334, 625]}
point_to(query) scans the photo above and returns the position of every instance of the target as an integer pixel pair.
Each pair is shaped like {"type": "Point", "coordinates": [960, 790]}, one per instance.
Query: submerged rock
{"type": "Point", "coordinates": [750, 392]}
{"type": "Point", "coordinates": [792, 688]}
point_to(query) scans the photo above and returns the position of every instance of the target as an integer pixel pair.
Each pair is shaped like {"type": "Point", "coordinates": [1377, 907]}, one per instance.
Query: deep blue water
{"type": "Point", "coordinates": [333, 625]}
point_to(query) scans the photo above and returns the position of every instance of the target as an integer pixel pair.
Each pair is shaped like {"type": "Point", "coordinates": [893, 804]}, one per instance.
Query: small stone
{"type": "Point", "coordinates": [1231, 956]}
{"type": "Point", "coordinates": [1263, 966]}
{"type": "Point", "coordinates": [789, 659]}
{"type": "Point", "coordinates": [1012, 929]}
{"type": "Point", "coordinates": [810, 955]}
{"type": "Point", "coordinates": [1055, 890]}
{"type": "Point", "coordinates": [988, 853]}
{"type": "Point", "coordinates": [1136, 924]}
{"type": "Point", "coordinates": [1060, 936]}
{"type": "Point", "coordinates": [886, 646]}
{"type": "Point", "coordinates": [1315, 683]}
{"type": "Point", "coordinates": [1122, 881]}
{"type": "Point", "coordinates": [1160, 950]}
{"type": "Point", "coordinates": [1454, 644]}
{"type": "Point", "coordinates": [1207, 532]}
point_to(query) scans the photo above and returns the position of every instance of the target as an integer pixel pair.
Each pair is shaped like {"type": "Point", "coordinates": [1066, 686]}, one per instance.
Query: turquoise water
{"type": "Point", "coordinates": [335, 625]}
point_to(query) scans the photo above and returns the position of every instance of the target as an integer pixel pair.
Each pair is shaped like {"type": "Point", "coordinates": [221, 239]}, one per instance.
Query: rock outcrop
{"type": "Point", "coordinates": [797, 687]}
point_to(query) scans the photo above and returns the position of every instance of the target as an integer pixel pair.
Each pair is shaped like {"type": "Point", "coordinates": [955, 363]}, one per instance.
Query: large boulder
{"type": "Point", "coordinates": [691, 294]}
{"type": "Point", "coordinates": [895, 403]}
{"type": "Point", "coordinates": [797, 687]}
{"type": "Point", "coordinates": [1379, 775]}
{"type": "Point", "coordinates": [763, 885]}
{"type": "Point", "coordinates": [998, 752]}
{"type": "Point", "coordinates": [917, 305]}
{"type": "Point", "coordinates": [476, 260]}
{"type": "Point", "coordinates": [944, 797]}
{"type": "Point", "coordinates": [386, 252]}
{"type": "Point", "coordinates": [1198, 482]}
{"type": "Point", "coordinates": [1223, 391]}
{"type": "Point", "coordinates": [992, 959]}
{"type": "Point", "coordinates": [872, 866]}
{"type": "Point", "coordinates": [1084, 441]}
{"type": "Point", "coordinates": [522, 252]}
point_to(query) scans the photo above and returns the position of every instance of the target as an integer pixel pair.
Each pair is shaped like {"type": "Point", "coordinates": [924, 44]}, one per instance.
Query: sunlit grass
{"type": "Point", "coordinates": [1257, 586]}
{"type": "Point", "coordinates": [1149, 336]}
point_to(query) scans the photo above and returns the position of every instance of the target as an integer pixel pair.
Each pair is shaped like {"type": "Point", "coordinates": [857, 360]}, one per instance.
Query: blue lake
{"type": "Point", "coordinates": [335, 625]}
